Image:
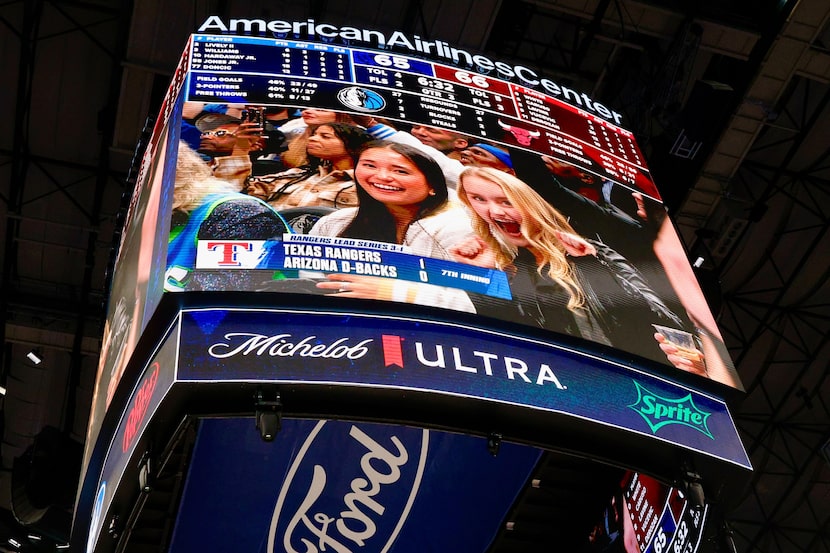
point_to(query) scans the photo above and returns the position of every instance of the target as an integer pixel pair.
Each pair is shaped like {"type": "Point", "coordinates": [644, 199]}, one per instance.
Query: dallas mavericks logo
{"type": "Point", "coordinates": [359, 498]}
{"type": "Point", "coordinates": [361, 99]}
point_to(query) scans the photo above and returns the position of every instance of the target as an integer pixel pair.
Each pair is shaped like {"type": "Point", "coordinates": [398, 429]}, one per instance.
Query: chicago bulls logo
{"type": "Point", "coordinates": [522, 136]}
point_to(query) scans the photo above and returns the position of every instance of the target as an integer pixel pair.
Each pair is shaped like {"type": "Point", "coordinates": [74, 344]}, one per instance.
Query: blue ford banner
{"type": "Point", "coordinates": [288, 346]}
{"type": "Point", "coordinates": [343, 487]}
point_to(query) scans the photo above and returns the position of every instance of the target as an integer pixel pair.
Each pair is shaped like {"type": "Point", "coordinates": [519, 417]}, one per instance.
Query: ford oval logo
{"type": "Point", "coordinates": [349, 489]}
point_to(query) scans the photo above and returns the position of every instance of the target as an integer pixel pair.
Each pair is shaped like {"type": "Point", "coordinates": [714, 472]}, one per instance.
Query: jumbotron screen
{"type": "Point", "coordinates": [349, 172]}
{"type": "Point", "coordinates": [139, 265]}
{"type": "Point", "coordinates": [356, 173]}
{"type": "Point", "coordinates": [359, 165]}
{"type": "Point", "coordinates": [646, 515]}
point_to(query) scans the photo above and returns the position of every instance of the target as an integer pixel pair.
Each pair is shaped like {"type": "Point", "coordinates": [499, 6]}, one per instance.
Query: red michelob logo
{"type": "Point", "coordinates": [139, 408]}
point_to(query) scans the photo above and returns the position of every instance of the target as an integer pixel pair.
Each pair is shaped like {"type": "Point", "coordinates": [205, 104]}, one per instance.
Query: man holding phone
{"type": "Point", "coordinates": [227, 142]}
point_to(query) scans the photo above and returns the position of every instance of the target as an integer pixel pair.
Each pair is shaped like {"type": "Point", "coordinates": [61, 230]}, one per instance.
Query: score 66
{"type": "Point", "coordinates": [477, 80]}
{"type": "Point", "coordinates": [386, 60]}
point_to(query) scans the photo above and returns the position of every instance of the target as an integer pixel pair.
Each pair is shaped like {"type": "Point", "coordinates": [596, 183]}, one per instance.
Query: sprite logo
{"type": "Point", "coordinates": [660, 411]}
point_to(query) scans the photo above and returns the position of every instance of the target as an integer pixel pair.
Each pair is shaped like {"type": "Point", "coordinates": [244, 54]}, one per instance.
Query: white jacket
{"type": "Point", "coordinates": [431, 236]}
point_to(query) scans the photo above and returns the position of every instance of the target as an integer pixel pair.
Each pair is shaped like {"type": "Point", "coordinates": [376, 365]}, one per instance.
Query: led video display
{"type": "Point", "coordinates": [647, 515]}
{"type": "Point", "coordinates": [390, 170]}
{"type": "Point", "coordinates": [138, 270]}
{"type": "Point", "coordinates": [399, 353]}
{"type": "Point", "coordinates": [316, 168]}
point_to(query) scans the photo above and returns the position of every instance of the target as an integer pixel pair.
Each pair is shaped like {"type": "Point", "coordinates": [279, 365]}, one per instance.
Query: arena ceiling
{"type": "Point", "coordinates": [729, 99]}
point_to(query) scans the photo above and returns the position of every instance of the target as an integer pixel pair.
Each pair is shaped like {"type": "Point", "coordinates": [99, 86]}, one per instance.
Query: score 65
{"type": "Point", "coordinates": [392, 62]}
{"type": "Point", "coordinates": [396, 62]}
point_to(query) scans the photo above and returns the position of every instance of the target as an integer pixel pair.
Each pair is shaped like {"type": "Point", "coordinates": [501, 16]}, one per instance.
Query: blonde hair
{"type": "Point", "coordinates": [540, 223]}
{"type": "Point", "coordinates": [195, 180]}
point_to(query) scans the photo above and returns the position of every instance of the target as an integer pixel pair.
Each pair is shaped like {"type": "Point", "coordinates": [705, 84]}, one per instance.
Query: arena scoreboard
{"type": "Point", "coordinates": [250, 70]}
{"type": "Point", "coordinates": [433, 393]}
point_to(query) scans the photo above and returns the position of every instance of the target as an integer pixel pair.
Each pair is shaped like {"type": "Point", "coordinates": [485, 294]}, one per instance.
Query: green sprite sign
{"type": "Point", "coordinates": [660, 411]}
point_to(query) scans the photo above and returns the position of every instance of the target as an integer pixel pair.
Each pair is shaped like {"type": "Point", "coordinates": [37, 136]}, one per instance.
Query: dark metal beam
{"type": "Point", "coordinates": [102, 181]}
{"type": "Point", "coordinates": [590, 32]}
{"type": "Point", "coordinates": [19, 167]}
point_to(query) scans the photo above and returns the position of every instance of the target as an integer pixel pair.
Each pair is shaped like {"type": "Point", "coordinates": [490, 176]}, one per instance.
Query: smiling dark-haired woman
{"type": "Point", "coordinates": [403, 199]}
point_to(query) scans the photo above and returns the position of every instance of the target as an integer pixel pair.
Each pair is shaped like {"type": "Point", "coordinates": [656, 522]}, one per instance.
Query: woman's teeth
{"type": "Point", "coordinates": [386, 187]}
{"type": "Point", "coordinates": [510, 227]}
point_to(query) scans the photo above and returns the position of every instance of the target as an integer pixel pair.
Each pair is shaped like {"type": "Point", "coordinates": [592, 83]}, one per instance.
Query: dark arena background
{"type": "Point", "coordinates": [415, 276]}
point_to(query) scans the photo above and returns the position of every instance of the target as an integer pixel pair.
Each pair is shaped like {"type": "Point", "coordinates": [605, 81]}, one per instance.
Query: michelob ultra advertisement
{"type": "Point", "coordinates": [340, 162]}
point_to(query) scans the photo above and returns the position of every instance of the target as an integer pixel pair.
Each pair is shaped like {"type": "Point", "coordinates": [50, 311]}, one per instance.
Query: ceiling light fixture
{"type": "Point", "coordinates": [34, 357]}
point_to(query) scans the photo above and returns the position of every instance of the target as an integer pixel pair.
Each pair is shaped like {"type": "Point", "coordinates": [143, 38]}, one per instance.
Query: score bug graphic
{"type": "Point", "coordinates": [361, 99]}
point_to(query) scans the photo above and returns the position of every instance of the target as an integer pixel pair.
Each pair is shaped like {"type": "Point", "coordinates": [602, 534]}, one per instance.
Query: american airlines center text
{"type": "Point", "coordinates": [311, 30]}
